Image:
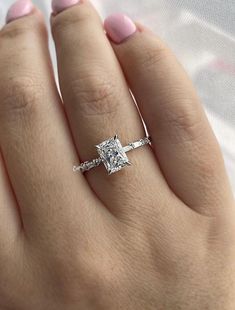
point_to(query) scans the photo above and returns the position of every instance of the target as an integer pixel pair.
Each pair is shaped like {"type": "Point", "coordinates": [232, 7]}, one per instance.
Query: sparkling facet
{"type": "Point", "coordinates": [113, 155]}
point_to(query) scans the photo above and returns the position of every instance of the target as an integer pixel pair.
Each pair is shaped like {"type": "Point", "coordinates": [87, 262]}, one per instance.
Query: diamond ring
{"type": "Point", "coordinates": [112, 154]}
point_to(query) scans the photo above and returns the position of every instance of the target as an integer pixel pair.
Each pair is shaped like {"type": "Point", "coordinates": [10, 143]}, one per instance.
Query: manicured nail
{"type": "Point", "coordinates": [60, 5]}
{"type": "Point", "coordinates": [119, 27]}
{"type": "Point", "coordinates": [19, 9]}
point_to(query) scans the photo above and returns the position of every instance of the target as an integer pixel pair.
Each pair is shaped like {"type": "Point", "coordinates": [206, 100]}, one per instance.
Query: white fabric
{"type": "Point", "coordinates": [202, 34]}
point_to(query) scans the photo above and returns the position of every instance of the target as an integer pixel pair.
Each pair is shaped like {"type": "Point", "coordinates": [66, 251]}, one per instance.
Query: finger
{"type": "Point", "coordinates": [185, 146]}
{"type": "Point", "coordinates": [99, 105]}
{"type": "Point", "coordinates": [10, 222]}
{"type": "Point", "coordinates": [34, 137]}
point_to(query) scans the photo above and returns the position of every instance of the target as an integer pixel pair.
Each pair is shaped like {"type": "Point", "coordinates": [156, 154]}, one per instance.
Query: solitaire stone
{"type": "Point", "coordinates": [112, 154]}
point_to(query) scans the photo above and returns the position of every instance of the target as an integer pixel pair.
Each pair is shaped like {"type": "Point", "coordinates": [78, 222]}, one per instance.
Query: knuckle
{"type": "Point", "coordinates": [22, 28]}
{"type": "Point", "coordinates": [95, 94]}
{"type": "Point", "coordinates": [101, 275]}
{"type": "Point", "coordinates": [184, 122]}
{"type": "Point", "coordinates": [108, 277]}
{"type": "Point", "coordinates": [20, 94]}
{"type": "Point", "coordinates": [208, 171]}
{"type": "Point", "coordinates": [187, 124]}
{"type": "Point", "coordinates": [12, 32]}
{"type": "Point", "coordinates": [153, 55]}
{"type": "Point", "coordinates": [209, 168]}
{"type": "Point", "coordinates": [64, 279]}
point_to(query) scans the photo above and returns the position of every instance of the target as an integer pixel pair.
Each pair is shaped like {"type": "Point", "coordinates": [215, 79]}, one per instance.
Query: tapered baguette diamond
{"type": "Point", "coordinates": [112, 154]}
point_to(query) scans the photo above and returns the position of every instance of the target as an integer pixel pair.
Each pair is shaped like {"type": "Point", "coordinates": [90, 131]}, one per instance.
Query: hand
{"type": "Point", "coordinates": [157, 235]}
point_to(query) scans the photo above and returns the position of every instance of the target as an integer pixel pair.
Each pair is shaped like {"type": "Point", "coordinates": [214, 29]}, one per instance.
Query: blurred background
{"type": "Point", "coordinates": [202, 34]}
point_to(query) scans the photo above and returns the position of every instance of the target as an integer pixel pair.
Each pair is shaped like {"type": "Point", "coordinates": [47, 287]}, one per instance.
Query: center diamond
{"type": "Point", "coordinates": [112, 155]}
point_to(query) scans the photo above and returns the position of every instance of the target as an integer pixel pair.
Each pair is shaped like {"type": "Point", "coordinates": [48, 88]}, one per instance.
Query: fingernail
{"type": "Point", "coordinates": [60, 5]}
{"type": "Point", "coordinates": [19, 9]}
{"type": "Point", "coordinates": [119, 27]}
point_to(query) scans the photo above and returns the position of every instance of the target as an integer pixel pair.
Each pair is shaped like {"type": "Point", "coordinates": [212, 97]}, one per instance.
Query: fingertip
{"type": "Point", "coordinates": [119, 27]}
{"type": "Point", "coordinates": [19, 9]}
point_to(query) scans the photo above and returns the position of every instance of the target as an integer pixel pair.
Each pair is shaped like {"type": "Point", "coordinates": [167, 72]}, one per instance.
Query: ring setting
{"type": "Point", "coordinates": [112, 154]}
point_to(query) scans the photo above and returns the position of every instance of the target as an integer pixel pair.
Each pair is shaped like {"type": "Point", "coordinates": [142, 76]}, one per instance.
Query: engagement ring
{"type": "Point", "coordinates": [112, 154]}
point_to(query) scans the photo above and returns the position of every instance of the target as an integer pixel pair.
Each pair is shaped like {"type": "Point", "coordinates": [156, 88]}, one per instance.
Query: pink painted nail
{"type": "Point", "coordinates": [119, 27]}
{"type": "Point", "coordinates": [19, 9]}
{"type": "Point", "coordinates": [60, 5]}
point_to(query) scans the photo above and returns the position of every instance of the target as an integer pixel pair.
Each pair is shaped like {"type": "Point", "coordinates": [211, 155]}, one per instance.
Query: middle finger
{"type": "Point", "coordinates": [35, 141]}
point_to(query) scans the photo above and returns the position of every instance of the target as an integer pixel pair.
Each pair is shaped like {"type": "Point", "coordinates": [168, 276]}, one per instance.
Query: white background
{"type": "Point", "coordinates": [202, 34]}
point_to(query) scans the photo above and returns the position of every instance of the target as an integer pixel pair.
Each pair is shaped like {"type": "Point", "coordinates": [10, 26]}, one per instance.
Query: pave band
{"type": "Point", "coordinates": [112, 155]}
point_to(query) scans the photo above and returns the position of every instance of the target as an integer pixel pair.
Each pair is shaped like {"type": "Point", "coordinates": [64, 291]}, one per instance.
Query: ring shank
{"type": "Point", "coordinates": [136, 144]}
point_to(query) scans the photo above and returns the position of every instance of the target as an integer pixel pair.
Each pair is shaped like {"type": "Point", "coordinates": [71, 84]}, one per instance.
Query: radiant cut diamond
{"type": "Point", "coordinates": [112, 154]}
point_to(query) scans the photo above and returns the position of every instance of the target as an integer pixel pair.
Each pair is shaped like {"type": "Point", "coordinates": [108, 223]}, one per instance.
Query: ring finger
{"type": "Point", "coordinates": [99, 104]}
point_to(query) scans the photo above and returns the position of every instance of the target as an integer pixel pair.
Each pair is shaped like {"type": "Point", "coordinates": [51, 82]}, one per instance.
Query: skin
{"type": "Point", "coordinates": [157, 235]}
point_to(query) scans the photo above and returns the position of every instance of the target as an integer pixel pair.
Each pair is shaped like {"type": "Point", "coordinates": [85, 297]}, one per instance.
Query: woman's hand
{"type": "Point", "coordinates": [157, 235]}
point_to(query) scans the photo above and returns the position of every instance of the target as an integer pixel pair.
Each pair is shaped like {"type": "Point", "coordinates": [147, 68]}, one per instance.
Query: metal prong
{"type": "Point", "coordinates": [115, 137]}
